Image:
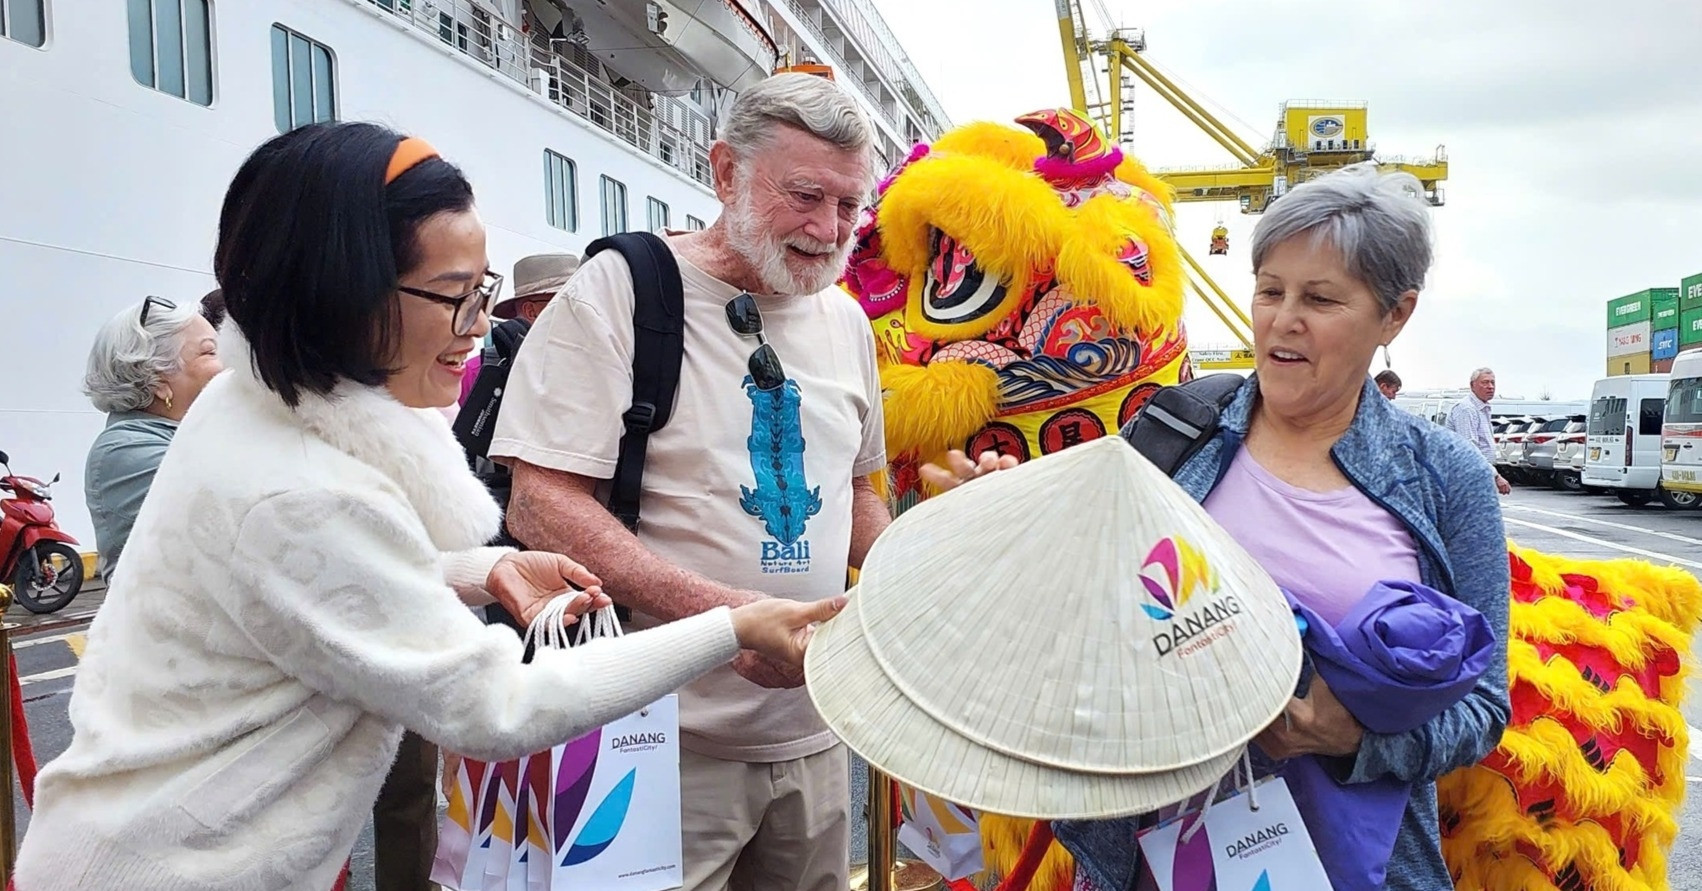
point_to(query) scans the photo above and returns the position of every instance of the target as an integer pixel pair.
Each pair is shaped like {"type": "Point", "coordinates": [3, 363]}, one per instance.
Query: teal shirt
{"type": "Point", "coordinates": [120, 470]}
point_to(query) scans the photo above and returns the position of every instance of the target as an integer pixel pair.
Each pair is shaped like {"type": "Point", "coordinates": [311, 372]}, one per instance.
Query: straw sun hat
{"type": "Point", "coordinates": [1072, 638]}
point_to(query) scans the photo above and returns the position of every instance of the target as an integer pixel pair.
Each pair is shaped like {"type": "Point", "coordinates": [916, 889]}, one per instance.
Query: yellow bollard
{"type": "Point", "coordinates": [8, 823]}
{"type": "Point", "coordinates": [884, 871]}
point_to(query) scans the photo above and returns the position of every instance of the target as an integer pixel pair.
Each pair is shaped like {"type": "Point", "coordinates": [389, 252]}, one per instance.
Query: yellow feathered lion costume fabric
{"type": "Point", "coordinates": [1025, 289]}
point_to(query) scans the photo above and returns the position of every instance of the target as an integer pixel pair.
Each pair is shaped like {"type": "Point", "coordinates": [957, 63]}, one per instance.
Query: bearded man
{"type": "Point", "coordinates": [757, 487]}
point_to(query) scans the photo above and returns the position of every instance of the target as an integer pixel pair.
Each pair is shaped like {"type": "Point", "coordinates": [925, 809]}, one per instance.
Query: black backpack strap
{"type": "Point", "coordinates": [658, 321]}
{"type": "Point", "coordinates": [1178, 421]}
{"type": "Point", "coordinates": [475, 425]}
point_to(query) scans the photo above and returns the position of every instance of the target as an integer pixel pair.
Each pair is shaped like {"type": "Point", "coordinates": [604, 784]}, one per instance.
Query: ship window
{"type": "Point", "coordinates": [659, 216]}
{"type": "Point", "coordinates": [171, 47]}
{"type": "Point", "coordinates": [561, 191]}
{"type": "Point", "coordinates": [24, 21]}
{"type": "Point", "coordinates": [303, 85]}
{"type": "Point", "coordinates": [693, 223]}
{"type": "Point", "coordinates": [614, 206]}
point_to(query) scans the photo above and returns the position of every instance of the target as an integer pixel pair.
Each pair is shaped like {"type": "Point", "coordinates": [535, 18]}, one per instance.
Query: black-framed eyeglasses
{"type": "Point", "coordinates": [152, 302]}
{"type": "Point", "coordinates": [468, 306]}
{"type": "Point", "coordinates": [745, 317]}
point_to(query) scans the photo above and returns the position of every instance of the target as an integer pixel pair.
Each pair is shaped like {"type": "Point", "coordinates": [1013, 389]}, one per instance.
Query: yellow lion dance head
{"type": "Point", "coordinates": [1025, 289]}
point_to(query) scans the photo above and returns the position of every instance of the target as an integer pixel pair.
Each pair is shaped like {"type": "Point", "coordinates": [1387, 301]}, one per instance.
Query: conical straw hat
{"type": "Point", "coordinates": [1079, 613]}
{"type": "Point", "coordinates": [890, 732]}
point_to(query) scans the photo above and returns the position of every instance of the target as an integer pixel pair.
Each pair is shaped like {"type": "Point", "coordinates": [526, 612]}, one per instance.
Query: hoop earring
{"type": "Point", "coordinates": [1386, 362]}
{"type": "Point", "coordinates": [168, 401]}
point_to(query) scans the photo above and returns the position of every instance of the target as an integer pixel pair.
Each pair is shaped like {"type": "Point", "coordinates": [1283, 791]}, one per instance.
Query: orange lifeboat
{"type": "Point", "coordinates": [807, 68]}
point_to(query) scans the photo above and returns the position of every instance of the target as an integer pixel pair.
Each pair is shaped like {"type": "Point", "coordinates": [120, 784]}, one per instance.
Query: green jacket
{"type": "Point", "coordinates": [120, 469]}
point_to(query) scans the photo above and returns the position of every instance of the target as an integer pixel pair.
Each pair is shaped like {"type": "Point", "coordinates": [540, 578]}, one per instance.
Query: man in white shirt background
{"type": "Point", "coordinates": [1470, 419]}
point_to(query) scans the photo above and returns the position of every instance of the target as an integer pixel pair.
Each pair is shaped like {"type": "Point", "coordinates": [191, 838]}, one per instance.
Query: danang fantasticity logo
{"type": "Point", "coordinates": [1186, 596]}
{"type": "Point", "coordinates": [573, 786]}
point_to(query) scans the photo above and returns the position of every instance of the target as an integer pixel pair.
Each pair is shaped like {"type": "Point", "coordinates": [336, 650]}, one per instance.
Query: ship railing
{"type": "Point", "coordinates": [663, 127]}
{"type": "Point", "coordinates": [934, 119]}
{"type": "Point", "coordinates": [873, 35]}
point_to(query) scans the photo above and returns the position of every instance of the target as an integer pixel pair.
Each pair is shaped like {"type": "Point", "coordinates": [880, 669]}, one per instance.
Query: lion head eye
{"type": "Point", "coordinates": [957, 290]}
{"type": "Point", "coordinates": [1133, 255]}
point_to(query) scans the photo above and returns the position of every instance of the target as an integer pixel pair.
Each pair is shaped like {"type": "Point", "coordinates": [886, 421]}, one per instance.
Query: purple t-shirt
{"type": "Point", "coordinates": [1327, 548]}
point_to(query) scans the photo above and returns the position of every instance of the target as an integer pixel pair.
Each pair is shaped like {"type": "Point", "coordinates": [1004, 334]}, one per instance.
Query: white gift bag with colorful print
{"type": "Point", "coordinates": [945, 836]}
{"type": "Point", "coordinates": [1254, 839]}
{"type": "Point", "coordinates": [598, 812]}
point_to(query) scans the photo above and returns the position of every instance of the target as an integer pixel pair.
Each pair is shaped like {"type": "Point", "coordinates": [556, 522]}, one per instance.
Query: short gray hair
{"type": "Point", "coordinates": [129, 360]}
{"type": "Point", "coordinates": [1476, 375]}
{"type": "Point", "coordinates": [1377, 222]}
{"type": "Point", "coordinates": [812, 104]}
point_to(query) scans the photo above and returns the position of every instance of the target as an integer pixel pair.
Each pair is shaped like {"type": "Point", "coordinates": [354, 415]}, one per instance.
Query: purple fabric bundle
{"type": "Point", "coordinates": [1399, 658]}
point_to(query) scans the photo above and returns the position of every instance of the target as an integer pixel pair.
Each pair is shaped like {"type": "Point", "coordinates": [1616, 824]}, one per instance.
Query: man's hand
{"type": "Point", "coordinates": [959, 469]}
{"type": "Point", "coordinates": [523, 582]}
{"type": "Point", "coordinates": [765, 672]}
{"type": "Point", "coordinates": [1501, 485]}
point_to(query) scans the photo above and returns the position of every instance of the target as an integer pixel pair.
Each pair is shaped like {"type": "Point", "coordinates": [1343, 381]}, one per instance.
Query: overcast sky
{"type": "Point", "coordinates": [1573, 130]}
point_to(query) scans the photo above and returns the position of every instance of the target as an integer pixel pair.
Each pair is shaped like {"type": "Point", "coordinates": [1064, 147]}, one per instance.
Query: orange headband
{"type": "Point", "coordinates": [409, 151]}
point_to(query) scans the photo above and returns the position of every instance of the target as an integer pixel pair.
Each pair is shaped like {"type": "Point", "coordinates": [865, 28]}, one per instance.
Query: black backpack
{"type": "Point", "coordinates": [658, 347]}
{"type": "Point", "coordinates": [1178, 421]}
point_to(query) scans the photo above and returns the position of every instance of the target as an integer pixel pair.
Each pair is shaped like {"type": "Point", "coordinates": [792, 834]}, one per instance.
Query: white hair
{"type": "Point", "coordinates": [812, 104]}
{"type": "Point", "coordinates": [1481, 373]}
{"type": "Point", "coordinates": [129, 360]}
{"type": "Point", "coordinates": [1378, 222]}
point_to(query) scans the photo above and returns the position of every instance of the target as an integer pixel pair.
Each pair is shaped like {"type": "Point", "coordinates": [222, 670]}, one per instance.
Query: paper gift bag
{"type": "Point", "coordinates": [459, 861]}
{"type": "Point", "coordinates": [945, 836]}
{"type": "Point", "coordinates": [1253, 839]}
{"type": "Point", "coordinates": [598, 812]}
{"type": "Point", "coordinates": [616, 807]}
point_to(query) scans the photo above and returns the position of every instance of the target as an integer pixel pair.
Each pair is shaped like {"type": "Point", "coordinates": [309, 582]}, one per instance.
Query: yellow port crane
{"type": "Point", "coordinates": [1311, 139]}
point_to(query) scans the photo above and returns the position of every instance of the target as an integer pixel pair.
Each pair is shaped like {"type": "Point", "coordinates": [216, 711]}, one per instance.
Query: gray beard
{"type": "Point", "coordinates": [767, 256]}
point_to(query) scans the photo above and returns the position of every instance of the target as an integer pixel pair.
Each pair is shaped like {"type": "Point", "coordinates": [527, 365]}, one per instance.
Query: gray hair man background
{"type": "Point", "coordinates": [757, 487]}
{"type": "Point", "coordinates": [1470, 419]}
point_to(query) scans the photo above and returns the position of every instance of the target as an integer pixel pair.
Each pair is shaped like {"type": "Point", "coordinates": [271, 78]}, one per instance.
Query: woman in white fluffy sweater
{"type": "Point", "coordinates": [296, 586]}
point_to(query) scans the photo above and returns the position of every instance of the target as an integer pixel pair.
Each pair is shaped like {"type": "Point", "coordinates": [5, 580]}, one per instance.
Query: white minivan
{"type": "Point", "coordinates": [1623, 435]}
{"type": "Point", "coordinates": [1681, 432]}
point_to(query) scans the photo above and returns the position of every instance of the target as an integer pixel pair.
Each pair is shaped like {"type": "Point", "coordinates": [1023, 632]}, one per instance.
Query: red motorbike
{"type": "Point", "coordinates": [35, 554]}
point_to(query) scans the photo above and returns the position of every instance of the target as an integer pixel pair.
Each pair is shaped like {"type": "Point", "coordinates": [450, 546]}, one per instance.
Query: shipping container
{"type": "Point", "coordinates": [1690, 293]}
{"type": "Point", "coordinates": [1690, 328]}
{"type": "Point", "coordinates": [1629, 310]}
{"type": "Point", "coordinates": [1635, 363]}
{"type": "Point", "coordinates": [1628, 339]}
{"type": "Point", "coordinates": [1665, 314]}
{"type": "Point", "coordinates": [1660, 366]}
{"type": "Point", "coordinates": [1663, 344]}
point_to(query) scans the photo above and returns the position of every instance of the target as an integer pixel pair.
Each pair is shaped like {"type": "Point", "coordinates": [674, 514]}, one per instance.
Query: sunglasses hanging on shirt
{"type": "Point", "coordinates": [745, 318]}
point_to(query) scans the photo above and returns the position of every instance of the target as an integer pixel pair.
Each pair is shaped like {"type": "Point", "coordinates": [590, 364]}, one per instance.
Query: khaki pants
{"type": "Point", "coordinates": [784, 826]}
{"type": "Point", "coordinates": [404, 819]}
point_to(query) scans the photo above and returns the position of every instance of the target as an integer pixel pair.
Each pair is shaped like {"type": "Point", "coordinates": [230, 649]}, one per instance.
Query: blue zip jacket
{"type": "Point", "coordinates": [1443, 491]}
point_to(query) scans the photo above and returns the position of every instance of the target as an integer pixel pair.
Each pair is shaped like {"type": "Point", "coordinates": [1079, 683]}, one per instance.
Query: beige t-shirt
{"type": "Point", "coordinates": [748, 488]}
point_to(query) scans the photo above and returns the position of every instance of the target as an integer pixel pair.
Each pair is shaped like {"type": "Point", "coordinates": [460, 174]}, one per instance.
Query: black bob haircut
{"type": "Point", "coordinates": [312, 244]}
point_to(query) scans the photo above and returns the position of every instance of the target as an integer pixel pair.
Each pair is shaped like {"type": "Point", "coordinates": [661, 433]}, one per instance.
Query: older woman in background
{"type": "Point", "coordinates": [1332, 489]}
{"type": "Point", "coordinates": [148, 364]}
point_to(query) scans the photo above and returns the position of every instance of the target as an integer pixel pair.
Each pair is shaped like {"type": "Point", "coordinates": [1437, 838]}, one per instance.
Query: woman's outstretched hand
{"type": "Point", "coordinates": [774, 633]}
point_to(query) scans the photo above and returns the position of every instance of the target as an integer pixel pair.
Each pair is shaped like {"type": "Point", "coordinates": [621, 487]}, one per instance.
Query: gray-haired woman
{"type": "Point", "coordinates": [148, 364]}
{"type": "Point", "coordinates": [1332, 489]}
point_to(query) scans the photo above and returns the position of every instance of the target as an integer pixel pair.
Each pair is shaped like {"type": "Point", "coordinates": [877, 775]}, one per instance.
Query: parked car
{"type": "Point", "coordinates": [1516, 470]}
{"type": "Point", "coordinates": [1548, 452]}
